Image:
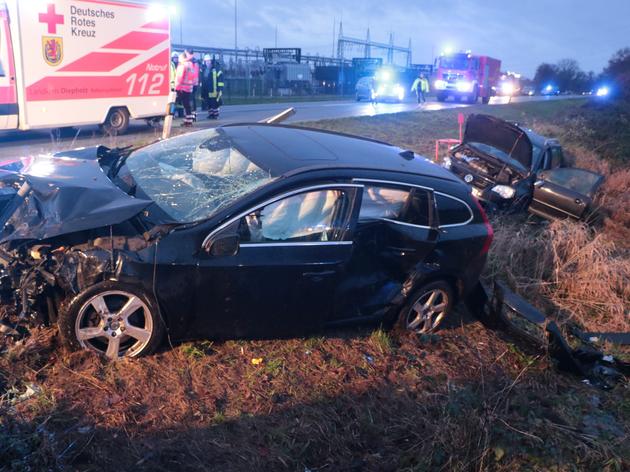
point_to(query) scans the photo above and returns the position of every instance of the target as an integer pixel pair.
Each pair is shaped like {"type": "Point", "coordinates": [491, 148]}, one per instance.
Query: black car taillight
{"type": "Point", "coordinates": [486, 223]}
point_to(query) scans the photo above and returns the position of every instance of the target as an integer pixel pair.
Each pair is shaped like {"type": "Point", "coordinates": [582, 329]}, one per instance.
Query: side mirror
{"type": "Point", "coordinates": [227, 245]}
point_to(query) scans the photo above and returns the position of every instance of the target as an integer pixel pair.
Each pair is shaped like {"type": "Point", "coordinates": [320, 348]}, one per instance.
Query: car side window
{"type": "Point", "coordinates": [306, 217]}
{"type": "Point", "coordinates": [452, 211]}
{"type": "Point", "coordinates": [397, 204]}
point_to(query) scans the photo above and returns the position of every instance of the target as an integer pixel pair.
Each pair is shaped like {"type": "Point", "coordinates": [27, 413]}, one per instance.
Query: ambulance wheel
{"type": "Point", "coordinates": [441, 97]}
{"type": "Point", "coordinates": [117, 121]}
{"type": "Point", "coordinates": [485, 100]}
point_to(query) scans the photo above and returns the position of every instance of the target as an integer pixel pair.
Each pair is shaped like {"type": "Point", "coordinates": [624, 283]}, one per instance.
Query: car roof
{"type": "Point", "coordinates": [538, 139]}
{"type": "Point", "coordinates": [282, 149]}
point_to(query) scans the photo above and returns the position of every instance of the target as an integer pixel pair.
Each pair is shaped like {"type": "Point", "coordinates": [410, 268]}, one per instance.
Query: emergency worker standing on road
{"type": "Point", "coordinates": [173, 63]}
{"type": "Point", "coordinates": [184, 83]}
{"type": "Point", "coordinates": [195, 80]}
{"type": "Point", "coordinates": [421, 87]}
{"type": "Point", "coordinates": [214, 85]}
{"type": "Point", "coordinates": [204, 79]}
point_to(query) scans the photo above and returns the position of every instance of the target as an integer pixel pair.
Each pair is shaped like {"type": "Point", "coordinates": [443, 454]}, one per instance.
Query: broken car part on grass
{"type": "Point", "coordinates": [252, 230]}
{"type": "Point", "coordinates": [513, 168]}
{"type": "Point", "coordinates": [501, 308]}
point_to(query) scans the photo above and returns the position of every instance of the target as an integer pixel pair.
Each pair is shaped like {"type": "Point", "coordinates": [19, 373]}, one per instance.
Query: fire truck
{"type": "Point", "coordinates": [465, 76]}
{"type": "Point", "coordinates": [67, 63]}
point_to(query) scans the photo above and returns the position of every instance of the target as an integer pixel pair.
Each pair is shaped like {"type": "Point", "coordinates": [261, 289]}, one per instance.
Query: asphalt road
{"type": "Point", "coordinates": [22, 143]}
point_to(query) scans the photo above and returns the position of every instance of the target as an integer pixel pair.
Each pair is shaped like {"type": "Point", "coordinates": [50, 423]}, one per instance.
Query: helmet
{"type": "Point", "coordinates": [174, 54]}
{"type": "Point", "coordinates": [207, 57]}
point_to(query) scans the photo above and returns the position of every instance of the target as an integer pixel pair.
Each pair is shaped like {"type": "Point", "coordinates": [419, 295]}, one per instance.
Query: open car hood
{"type": "Point", "coordinates": [64, 193]}
{"type": "Point", "coordinates": [499, 134]}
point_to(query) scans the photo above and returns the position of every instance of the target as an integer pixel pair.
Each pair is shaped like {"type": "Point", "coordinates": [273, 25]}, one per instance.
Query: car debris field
{"type": "Point", "coordinates": [467, 397]}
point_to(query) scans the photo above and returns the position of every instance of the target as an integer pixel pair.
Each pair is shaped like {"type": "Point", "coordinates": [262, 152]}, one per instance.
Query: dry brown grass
{"type": "Point", "coordinates": [574, 271]}
{"type": "Point", "coordinates": [360, 400]}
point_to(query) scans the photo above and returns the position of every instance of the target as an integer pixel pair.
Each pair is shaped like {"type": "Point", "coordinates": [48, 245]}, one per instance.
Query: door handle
{"type": "Point", "coordinates": [401, 250]}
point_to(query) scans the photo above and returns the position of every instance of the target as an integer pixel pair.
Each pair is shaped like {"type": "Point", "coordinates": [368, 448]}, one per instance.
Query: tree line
{"type": "Point", "coordinates": [567, 75]}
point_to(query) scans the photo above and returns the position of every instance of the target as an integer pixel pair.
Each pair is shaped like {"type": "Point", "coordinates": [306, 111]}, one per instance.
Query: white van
{"type": "Point", "coordinates": [70, 63]}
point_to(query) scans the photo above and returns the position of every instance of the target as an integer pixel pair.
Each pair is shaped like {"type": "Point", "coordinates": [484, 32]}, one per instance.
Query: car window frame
{"type": "Point", "coordinates": [408, 187]}
{"type": "Point", "coordinates": [434, 217]}
{"type": "Point", "coordinates": [452, 225]}
{"type": "Point", "coordinates": [205, 245]}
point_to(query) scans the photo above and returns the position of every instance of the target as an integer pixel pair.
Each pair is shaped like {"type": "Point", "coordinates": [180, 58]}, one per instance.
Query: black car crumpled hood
{"type": "Point", "coordinates": [500, 134]}
{"type": "Point", "coordinates": [69, 192]}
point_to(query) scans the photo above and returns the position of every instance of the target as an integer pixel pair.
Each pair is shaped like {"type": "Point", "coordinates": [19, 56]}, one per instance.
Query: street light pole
{"type": "Point", "coordinates": [235, 25]}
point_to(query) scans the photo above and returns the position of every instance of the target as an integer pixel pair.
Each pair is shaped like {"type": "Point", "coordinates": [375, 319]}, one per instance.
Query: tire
{"type": "Point", "coordinates": [441, 294]}
{"type": "Point", "coordinates": [117, 121]}
{"type": "Point", "coordinates": [441, 97]}
{"type": "Point", "coordinates": [485, 100]}
{"type": "Point", "coordinates": [358, 98]}
{"type": "Point", "coordinates": [117, 332]}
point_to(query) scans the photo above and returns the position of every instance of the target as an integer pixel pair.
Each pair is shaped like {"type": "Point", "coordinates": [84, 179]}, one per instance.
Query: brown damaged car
{"type": "Point", "coordinates": [513, 168]}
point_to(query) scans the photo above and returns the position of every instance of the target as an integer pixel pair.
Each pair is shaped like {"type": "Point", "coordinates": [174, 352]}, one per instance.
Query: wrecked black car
{"type": "Point", "coordinates": [513, 168]}
{"type": "Point", "coordinates": [249, 230]}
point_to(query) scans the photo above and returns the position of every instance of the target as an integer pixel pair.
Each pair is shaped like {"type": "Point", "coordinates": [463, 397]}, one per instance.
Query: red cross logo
{"type": "Point", "coordinates": [51, 18]}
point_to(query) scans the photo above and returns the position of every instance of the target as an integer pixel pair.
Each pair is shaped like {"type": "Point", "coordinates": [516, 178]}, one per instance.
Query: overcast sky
{"type": "Point", "coordinates": [521, 33]}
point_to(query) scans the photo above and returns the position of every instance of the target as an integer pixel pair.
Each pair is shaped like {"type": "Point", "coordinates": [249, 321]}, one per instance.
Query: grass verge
{"type": "Point", "coordinates": [358, 400]}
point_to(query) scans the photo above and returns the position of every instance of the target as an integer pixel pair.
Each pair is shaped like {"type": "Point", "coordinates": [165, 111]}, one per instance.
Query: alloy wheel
{"type": "Point", "coordinates": [114, 323]}
{"type": "Point", "coordinates": [428, 311]}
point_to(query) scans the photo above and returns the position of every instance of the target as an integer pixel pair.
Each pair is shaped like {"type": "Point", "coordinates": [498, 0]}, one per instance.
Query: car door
{"type": "Point", "coordinates": [393, 234]}
{"type": "Point", "coordinates": [8, 95]}
{"type": "Point", "coordinates": [271, 270]}
{"type": "Point", "coordinates": [564, 192]}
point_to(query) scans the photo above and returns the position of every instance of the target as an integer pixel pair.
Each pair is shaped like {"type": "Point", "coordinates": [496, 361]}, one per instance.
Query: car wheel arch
{"type": "Point", "coordinates": [419, 279]}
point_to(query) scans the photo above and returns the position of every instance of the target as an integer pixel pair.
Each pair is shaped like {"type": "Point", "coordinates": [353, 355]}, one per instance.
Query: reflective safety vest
{"type": "Point", "coordinates": [424, 85]}
{"type": "Point", "coordinates": [173, 74]}
{"type": "Point", "coordinates": [185, 75]}
{"type": "Point", "coordinates": [216, 85]}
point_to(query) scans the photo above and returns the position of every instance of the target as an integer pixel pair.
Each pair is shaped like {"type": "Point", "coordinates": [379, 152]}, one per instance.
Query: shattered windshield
{"type": "Point", "coordinates": [192, 176]}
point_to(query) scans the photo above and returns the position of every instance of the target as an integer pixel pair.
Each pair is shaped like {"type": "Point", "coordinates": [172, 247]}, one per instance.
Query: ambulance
{"type": "Point", "coordinates": [66, 63]}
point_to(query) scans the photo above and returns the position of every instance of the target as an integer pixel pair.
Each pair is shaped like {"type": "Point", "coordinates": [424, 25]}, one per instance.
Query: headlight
{"type": "Point", "coordinates": [464, 86]}
{"type": "Point", "coordinates": [504, 191]}
{"type": "Point", "coordinates": [439, 84]}
{"type": "Point", "coordinates": [602, 92]}
{"type": "Point", "coordinates": [447, 162]}
{"type": "Point", "coordinates": [507, 88]}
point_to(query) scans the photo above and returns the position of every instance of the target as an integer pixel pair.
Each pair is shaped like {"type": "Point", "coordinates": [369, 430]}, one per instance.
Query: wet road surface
{"type": "Point", "coordinates": [21, 143]}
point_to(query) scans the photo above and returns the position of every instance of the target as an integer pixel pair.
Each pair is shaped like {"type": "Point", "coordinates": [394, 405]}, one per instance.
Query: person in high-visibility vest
{"type": "Point", "coordinates": [184, 83]}
{"type": "Point", "coordinates": [195, 79]}
{"type": "Point", "coordinates": [204, 79]}
{"type": "Point", "coordinates": [214, 86]}
{"type": "Point", "coordinates": [421, 88]}
{"type": "Point", "coordinates": [173, 64]}
{"type": "Point", "coordinates": [179, 108]}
